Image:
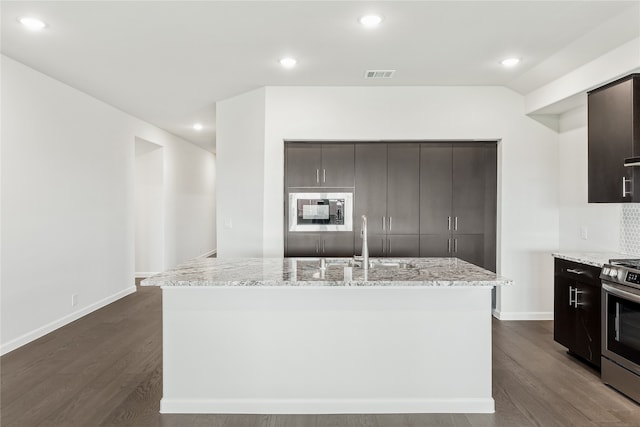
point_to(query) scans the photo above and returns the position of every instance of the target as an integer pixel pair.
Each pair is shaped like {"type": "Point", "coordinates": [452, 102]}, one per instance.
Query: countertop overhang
{"type": "Point", "coordinates": [307, 272]}
{"type": "Point", "coordinates": [596, 259]}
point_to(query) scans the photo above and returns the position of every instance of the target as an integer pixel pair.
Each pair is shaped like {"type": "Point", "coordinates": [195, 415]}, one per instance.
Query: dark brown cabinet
{"type": "Point", "coordinates": [319, 165]}
{"type": "Point", "coordinates": [420, 199]}
{"type": "Point", "coordinates": [333, 244]}
{"type": "Point", "coordinates": [391, 245]}
{"type": "Point", "coordinates": [614, 135]}
{"type": "Point", "coordinates": [576, 310]}
{"type": "Point", "coordinates": [403, 188]}
{"type": "Point", "coordinates": [458, 186]}
{"type": "Point", "coordinates": [387, 182]}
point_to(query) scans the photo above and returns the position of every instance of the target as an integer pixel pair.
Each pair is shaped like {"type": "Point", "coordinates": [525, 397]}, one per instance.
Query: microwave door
{"type": "Point", "coordinates": [320, 211]}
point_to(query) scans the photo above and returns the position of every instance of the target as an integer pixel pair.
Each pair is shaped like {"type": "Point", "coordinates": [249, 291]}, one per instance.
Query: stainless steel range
{"type": "Point", "coordinates": [621, 326]}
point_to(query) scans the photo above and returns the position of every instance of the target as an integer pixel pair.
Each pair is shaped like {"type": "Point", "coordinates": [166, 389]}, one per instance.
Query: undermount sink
{"type": "Point", "coordinates": [391, 265]}
{"type": "Point", "coordinates": [373, 264]}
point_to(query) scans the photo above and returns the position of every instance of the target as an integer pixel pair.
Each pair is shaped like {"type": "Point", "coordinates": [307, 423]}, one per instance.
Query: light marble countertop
{"type": "Point", "coordinates": [307, 272]}
{"type": "Point", "coordinates": [597, 259]}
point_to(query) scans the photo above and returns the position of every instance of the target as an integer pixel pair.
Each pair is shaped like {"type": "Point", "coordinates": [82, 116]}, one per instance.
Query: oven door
{"type": "Point", "coordinates": [320, 211]}
{"type": "Point", "coordinates": [621, 325]}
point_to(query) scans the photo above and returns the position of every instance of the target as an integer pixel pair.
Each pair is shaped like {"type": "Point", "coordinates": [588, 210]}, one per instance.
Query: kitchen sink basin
{"type": "Point", "coordinates": [390, 265]}
{"type": "Point", "coordinates": [373, 264]}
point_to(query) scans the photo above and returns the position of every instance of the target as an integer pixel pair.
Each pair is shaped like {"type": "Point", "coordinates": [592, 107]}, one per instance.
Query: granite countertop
{"type": "Point", "coordinates": [597, 259]}
{"type": "Point", "coordinates": [307, 272]}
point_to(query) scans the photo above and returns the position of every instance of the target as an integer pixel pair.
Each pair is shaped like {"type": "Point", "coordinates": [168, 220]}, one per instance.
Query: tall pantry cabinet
{"type": "Point", "coordinates": [387, 192]}
{"type": "Point", "coordinates": [458, 201]}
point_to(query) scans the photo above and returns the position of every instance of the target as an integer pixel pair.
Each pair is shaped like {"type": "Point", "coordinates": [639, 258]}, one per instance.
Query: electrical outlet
{"type": "Point", "coordinates": [584, 232]}
{"type": "Point", "coordinates": [74, 300]}
{"type": "Point", "coordinates": [228, 223]}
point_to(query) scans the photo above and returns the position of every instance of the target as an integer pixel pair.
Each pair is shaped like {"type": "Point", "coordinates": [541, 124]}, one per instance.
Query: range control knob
{"type": "Point", "coordinates": [605, 271]}
{"type": "Point", "coordinates": [613, 273]}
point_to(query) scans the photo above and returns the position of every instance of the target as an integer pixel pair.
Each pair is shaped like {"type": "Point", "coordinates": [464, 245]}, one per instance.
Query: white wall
{"type": "Point", "coordinates": [528, 208]}
{"type": "Point", "coordinates": [149, 208]}
{"type": "Point", "coordinates": [240, 176]}
{"type": "Point", "coordinates": [67, 195]}
{"type": "Point", "coordinates": [601, 220]}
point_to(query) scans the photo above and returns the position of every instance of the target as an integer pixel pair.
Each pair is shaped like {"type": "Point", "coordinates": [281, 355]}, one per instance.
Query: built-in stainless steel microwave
{"type": "Point", "coordinates": [320, 211]}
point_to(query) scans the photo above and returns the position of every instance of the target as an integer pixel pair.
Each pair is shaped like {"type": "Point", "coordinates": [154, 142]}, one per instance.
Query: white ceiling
{"type": "Point", "coordinates": [169, 62]}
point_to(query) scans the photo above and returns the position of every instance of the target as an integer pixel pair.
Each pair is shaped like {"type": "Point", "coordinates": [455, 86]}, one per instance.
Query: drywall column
{"type": "Point", "coordinates": [241, 181]}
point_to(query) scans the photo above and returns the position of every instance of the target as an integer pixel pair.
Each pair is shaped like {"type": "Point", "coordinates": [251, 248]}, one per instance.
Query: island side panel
{"type": "Point", "coordinates": [326, 350]}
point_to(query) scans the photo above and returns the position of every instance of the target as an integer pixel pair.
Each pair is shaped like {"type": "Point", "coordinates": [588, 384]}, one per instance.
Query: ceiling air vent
{"type": "Point", "coordinates": [378, 74]}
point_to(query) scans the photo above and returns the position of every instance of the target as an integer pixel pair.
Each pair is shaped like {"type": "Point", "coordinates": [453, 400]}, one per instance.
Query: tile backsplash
{"type": "Point", "coordinates": [630, 229]}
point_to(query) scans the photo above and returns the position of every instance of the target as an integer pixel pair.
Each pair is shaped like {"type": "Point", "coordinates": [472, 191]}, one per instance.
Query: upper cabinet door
{"type": "Point", "coordinates": [613, 112]}
{"type": "Point", "coordinates": [403, 188]}
{"type": "Point", "coordinates": [337, 165]}
{"type": "Point", "coordinates": [371, 188]}
{"type": "Point", "coordinates": [435, 188]}
{"type": "Point", "coordinates": [304, 165]}
{"type": "Point", "coordinates": [469, 189]}
{"type": "Point", "coordinates": [320, 165]}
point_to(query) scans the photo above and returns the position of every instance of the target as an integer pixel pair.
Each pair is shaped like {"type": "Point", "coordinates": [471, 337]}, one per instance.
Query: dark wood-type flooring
{"type": "Point", "coordinates": [106, 370]}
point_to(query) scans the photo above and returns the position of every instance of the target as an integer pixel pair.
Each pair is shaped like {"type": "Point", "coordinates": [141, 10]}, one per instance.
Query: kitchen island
{"type": "Point", "coordinates": [301, 335]}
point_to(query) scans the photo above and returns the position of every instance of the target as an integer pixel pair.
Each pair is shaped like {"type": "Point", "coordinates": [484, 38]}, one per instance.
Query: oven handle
{"type": "Point", "coordinates": [614, 290]}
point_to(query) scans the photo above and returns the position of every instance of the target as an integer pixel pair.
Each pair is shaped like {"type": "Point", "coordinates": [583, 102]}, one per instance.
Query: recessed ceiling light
{"type": "Point", "coordinates": [32, 24]}
{"type": "Point", "coordinates": [510, 62]}
{"type": "Point", "coordinates": [198, 126]}
{"type": "Point", "coordinates": [370, 21]}
{"type": "Point", "coordinates": [288, 62]}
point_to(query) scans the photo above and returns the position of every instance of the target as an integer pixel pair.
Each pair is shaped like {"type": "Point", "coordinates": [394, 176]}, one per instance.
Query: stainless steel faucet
{"type": "Point", "coordinates": [365, 245]}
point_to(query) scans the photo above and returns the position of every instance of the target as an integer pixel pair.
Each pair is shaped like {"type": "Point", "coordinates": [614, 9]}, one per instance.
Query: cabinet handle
{"type": "Point", "coordinates": [317, 246]}
{"type": "Point", "coordinates": [455, 245]}
{"type": "Point", "coordinates": [617, 323]}
{"type": "Point", "coordinates": [324, 175]}
{"type": "Point", "coordinates": [384, 225]}
{"type": "Point", "coordinates": [382, 246]}
{"type": "Point", "coordinates": [578, 272]}
{"type": "Point", "coordinates": [626, 193]}
{"type": "Point", "coordinates": [455, 224]}
{"type": "Point", "coordinates": [318, 175]}
{"type": "Point", "coordinates": [570, 296]}
{"type": "Point", "coordinates": [449, 246]}
{"type": "Point", "coordinates": [323, 246]}
{"type": "Point", "coordinates": [448, 223]}
{"type": "Point", "coordinates": [390, 222]}
{"type": "Point", "coordinates": [575, 299]}
{"type": "Point", "coordinates": [389, 245]}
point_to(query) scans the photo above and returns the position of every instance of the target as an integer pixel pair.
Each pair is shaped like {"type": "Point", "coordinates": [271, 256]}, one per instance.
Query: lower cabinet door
{"type": "Point", "coordinates": [435, 245]}
{"type": "Point", "coordinates": [403, 245]}
{"type": "Point", "coordinates": [564, 314]}
{"type": "Point", "coordinates": [469, 247]}
{"type": "Point", "coordinates": [377, 244]}
{"type": "Point", "coordinates": [332, 244]}
{"type": "Point", "coordinates": [587, 341]}
{"type": "Point", "coordinates": [339, 244]}
{"type": "Point", "coordinates": [303, 245]}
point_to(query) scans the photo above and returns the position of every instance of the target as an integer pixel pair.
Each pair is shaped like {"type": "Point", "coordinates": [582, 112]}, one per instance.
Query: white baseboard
{"type": "Point", "coordinates": [326, 406]}
{"type": "Point", "coordinates": [50, 327]}
{"type": "Point", "coordinates": [208, 254]}
{"type": "Point", "coordinates": [523, 315]}
{"type": "Point", "coordinates": [144, 274]}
